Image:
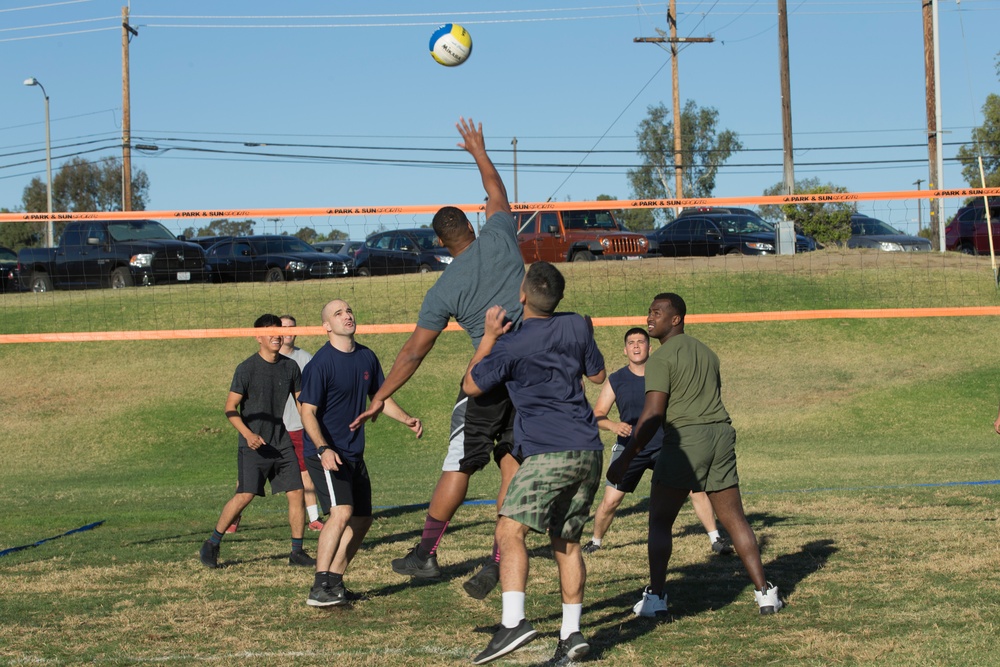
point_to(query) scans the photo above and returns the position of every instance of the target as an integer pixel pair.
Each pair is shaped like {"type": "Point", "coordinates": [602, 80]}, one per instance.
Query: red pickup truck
{"type": "Point", "coordinates": [575, 236]}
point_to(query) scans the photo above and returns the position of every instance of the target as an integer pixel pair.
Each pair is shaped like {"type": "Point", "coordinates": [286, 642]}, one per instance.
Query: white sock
{"type": "Point", "coordinates": [570, 619]}
{"type": "Point", "coordinates": [713, 535]}
{"type": "Point", "coordinates": [513, 608]}
{"type": "Point", "coordinates": [597, 542]}
{"type": "Point", "coordinates": [313, 513]}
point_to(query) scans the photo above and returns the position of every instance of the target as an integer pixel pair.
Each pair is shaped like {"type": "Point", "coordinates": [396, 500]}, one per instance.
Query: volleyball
{"type": "Point", "coordinates": [451, 45]}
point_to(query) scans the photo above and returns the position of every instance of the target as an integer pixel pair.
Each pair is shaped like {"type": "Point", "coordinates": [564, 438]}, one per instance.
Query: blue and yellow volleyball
{"type": "Point", "coordinates": [451, 45]}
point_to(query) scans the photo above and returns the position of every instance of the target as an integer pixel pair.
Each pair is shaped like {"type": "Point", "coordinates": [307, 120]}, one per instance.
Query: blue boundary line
{"type": "Point", "coordinates": [89, 526]}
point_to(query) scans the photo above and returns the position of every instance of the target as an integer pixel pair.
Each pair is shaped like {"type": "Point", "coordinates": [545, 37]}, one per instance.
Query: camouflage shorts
{"type": "Point", "coordinates": [554, 492]}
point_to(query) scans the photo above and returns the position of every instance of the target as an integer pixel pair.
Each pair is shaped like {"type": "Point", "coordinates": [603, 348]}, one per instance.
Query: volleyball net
{"type": "Point", "coordinates": [830, 282]}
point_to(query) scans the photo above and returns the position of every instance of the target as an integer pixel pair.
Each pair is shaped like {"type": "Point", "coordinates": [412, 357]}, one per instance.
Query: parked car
{"type": "Point", "coordinates": [349, 248]}
{"type": "Point", "coordinates": [714, 233]}
{"type": "Point", "coordinates": [401, 251]}
{"type": "Point", "coordinates": [867, 232]}
{"type": "Point", "coordinates": [803, 241]}
{"type": "Point", "coordinates": [207, 242]}
{"type": "Point", "coordinates": [575, 236]}
{"type": "Point", "coordinates": [111, 253]}
{"type": "Point", "coordinates": [272, 258]}
{"type": "Point", "coordinates": [8, 270]}
{"type": "Point", "coordinates": [967, 230]}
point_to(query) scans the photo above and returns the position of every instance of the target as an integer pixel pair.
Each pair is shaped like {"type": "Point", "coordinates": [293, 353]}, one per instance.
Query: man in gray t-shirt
{"type": "Point", "coordinates": [486, 271]}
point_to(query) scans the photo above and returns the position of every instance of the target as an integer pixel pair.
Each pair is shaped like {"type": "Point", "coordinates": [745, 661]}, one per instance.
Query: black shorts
{"type": "Point", "coordinates": [643, 461]}
{"type": "Point", "coordinates": [350, 485]}
{"type": "Point", "coordinates": [481, 426]}
{"type": "Point", "coordinates": [267, 464]}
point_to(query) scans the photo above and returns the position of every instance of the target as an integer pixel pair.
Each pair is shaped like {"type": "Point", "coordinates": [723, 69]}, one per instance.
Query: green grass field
{"type": "Point", "coordinates": [861, 443]}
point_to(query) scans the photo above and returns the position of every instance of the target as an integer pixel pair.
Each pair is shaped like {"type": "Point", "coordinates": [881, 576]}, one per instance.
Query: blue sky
{"type": "Point", "coordinates": [558, 75]}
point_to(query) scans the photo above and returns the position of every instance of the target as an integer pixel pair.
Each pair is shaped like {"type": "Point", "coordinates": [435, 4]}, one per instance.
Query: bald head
{"type": "Point", "coordinates": [338, 319]}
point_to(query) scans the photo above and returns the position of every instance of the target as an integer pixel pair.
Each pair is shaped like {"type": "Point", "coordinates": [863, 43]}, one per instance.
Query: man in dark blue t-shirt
{"type": "Point", "coordinates": [336, 385]}
{"type": "Point", "coordinates": [555, 433]}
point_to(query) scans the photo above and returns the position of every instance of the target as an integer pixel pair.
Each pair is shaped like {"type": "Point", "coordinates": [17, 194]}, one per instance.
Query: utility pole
{"type": "Point", "coordinates": [514, 144]}
{"type": "Point", "coordinates": [786, 229]}
{"type": "Point", "coordinates": [920, 208]}
{"type": "Point", "coordinates": [933, 104]}
{"type": "Point", "coordinates": [127, 32]}
{"type": "Point", "coordinates": [674, 40]}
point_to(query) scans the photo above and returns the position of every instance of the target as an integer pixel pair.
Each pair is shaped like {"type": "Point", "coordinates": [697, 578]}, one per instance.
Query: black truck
{"type": "Point", "coordinates": [111, 253]}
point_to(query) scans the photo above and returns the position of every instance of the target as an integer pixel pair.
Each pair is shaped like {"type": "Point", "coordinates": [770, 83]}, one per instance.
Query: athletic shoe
{"type": "Point", "coordinates": [209, 554]}
{"type": "Point", "coordinates": [569, 649]}
{"type": "Point", "coordinates": [506, 640]}
{"type": "Point", "coordinates": [481, 583]}
{"type": "Point", "coordinates": [651, 606]}
{"type": "Point", "coordinates": [722, 547]}
{"type": "Point", "coordinates": [315, 526]}
{"type": "Point", "coordinates": [590, 547]}
{"type": "Point", "coordinates": [235, 524]}
{"type": "Point", "coordinates": [301, 558]}
{"type": "Point", "coordinates": [768, 601]}
{"type": "Point", "coordinates": [326, 595]}
{"type": "Point", "coordinates": [412, 565]}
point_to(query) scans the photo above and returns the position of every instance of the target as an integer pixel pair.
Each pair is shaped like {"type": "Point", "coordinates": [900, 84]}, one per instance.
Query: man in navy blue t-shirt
{"type": "Point", "coordinates": [336, 385]}
{"type": "Point", "coordinates": [555, 433]}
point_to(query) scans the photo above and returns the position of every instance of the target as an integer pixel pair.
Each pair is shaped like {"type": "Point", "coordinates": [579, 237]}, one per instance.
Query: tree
{"type": "Point", "coordinates": [703, 150]}
{"type": "Point", "coordinates": [16, 235]}
{"type": "Point", "coordinates": [221, 227]}
{"type": "Point", "coordinates": [307, 234]}
{"type": "Point", "coordinates": [82, 185]}
{"type": "Point", "coordinates": [826, 222]}
{"type": "Point", "coordinates": [634, 219]}
{"type": "Point", "coordinates": [985, 141]}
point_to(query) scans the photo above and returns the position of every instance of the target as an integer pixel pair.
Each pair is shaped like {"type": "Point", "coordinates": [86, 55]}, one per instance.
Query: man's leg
{"type": "Point", "coordinates": [350, 542]}
{"type": "Point", "coordinates": [703, 510]}
{"type": "Point", "coordinates": [479, 585]}
{"type": "Point", "coordinates": [325, 592]}
{"type": "Point", "coordinates": [664, 504]}
{"type": "Point", "coordinates": [209, 553]}
{"type": "Point", "coordinates": [605, 515]}
{"type": "Point", "coordinates": [572, 580]}
{"type": "Point", "coordinates": [728, 506]}
{"type": "Point", "coordinates": [296, 513]}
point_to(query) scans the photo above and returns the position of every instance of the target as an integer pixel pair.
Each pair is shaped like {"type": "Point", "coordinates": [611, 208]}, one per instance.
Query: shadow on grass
{"type": "Point", "coordinates": [697, 588]}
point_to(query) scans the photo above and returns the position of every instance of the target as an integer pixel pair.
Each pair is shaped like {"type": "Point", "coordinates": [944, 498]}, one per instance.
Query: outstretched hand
{"type": "Point", "coordinates": [372, 413]}
{"type": "Point", "coordinates": [472, 136]}
{"type": "Point", "coordinates": [494, 324]}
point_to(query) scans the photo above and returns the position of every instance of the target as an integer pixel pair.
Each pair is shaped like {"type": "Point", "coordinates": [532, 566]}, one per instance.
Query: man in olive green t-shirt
{"type": "Point", "coordinates": [684, 394]}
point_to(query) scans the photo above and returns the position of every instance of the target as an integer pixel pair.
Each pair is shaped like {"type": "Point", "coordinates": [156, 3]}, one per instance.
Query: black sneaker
{"type": "Point", "coordinates": [590, 547]}
{"type": "Point", "coordinates": [326, 595]}
{"type": "Point", "coordinates": [569, 649]}
{"type": "Point", "coordinates": [300, 558]}
{"type": "Point", "coordinates": [722, 546]}
{"type": "Point", "coordinates": [506, 640]}
{"type": "Point", "coordinates": [480, 584]}
{"type": "Point", "coordinates": [412, 565]}
{"type": "Point", "coordinates": [209, 554]}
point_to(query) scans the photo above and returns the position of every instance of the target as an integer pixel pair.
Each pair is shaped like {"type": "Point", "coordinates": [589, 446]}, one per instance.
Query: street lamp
{"type": "Point", "coordinates": [49, 235]}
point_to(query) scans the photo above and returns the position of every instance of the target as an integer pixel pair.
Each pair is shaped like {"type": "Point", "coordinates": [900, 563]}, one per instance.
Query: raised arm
{"type": "Point", "coordinates": [495, 327]}
{"type": "Point", "coordinates": [473, 142]}
{"type": "Point", "coordinates": [394, 411]}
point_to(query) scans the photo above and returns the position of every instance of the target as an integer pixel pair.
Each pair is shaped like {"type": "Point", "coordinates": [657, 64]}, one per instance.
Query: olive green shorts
{"type": "Point", "coordinates": [701, 457]}
{"type": "Point", "coordinates": [554, 492]}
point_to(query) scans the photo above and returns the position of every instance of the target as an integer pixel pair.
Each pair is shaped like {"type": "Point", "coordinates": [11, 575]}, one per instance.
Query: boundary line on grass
{"type": "Point", "coordinates": [89, 526]}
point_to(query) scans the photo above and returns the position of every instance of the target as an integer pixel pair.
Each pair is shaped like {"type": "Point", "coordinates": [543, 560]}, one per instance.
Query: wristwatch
{"type": "Point", "coordinates": [320, 450]}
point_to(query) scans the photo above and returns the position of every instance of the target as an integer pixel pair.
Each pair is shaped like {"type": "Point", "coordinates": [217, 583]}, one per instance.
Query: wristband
{"type": "Point", "coordinates": [320, 450]}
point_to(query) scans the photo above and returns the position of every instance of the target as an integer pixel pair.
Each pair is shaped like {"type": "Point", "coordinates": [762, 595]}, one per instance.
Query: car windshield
{"type": "Point", "coordinates": [280, 244]}
{"type": "Point", "coordinates": [427, 240]}
{"type": "Point", "coordinates": [744, 224]}
{"type": "Point", "coordinates": [871, 227]}
{"type": "Point", "coordinates": [139, 230]}
{"type": "Point", "coordinates": [588, 220]}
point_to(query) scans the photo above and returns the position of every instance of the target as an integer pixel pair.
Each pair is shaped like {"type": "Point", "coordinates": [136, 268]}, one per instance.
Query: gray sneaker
{"type": "Point", "coordinates": [722, 546]}
{"type": "Point", "coordinates": [301, 559]}
{"type": "Point", "coordinates": [412, 565]}
{"type": "Point", "coordinates": [209, 554]}
{"type": "Point", "coordinates": [326, 595]}
{"type": "Point", "coordinates": [572, 648]}
{"type": "Point", "coordinates": [506, 640]}
{"type": "Point", "coordinates": [481, 583]}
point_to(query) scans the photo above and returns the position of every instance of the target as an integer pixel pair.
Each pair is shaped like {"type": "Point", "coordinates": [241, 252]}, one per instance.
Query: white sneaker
{"type": "Point", "coordinates": [768, 601]}
{"type": "Point", "coordinates": [651, 605]}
